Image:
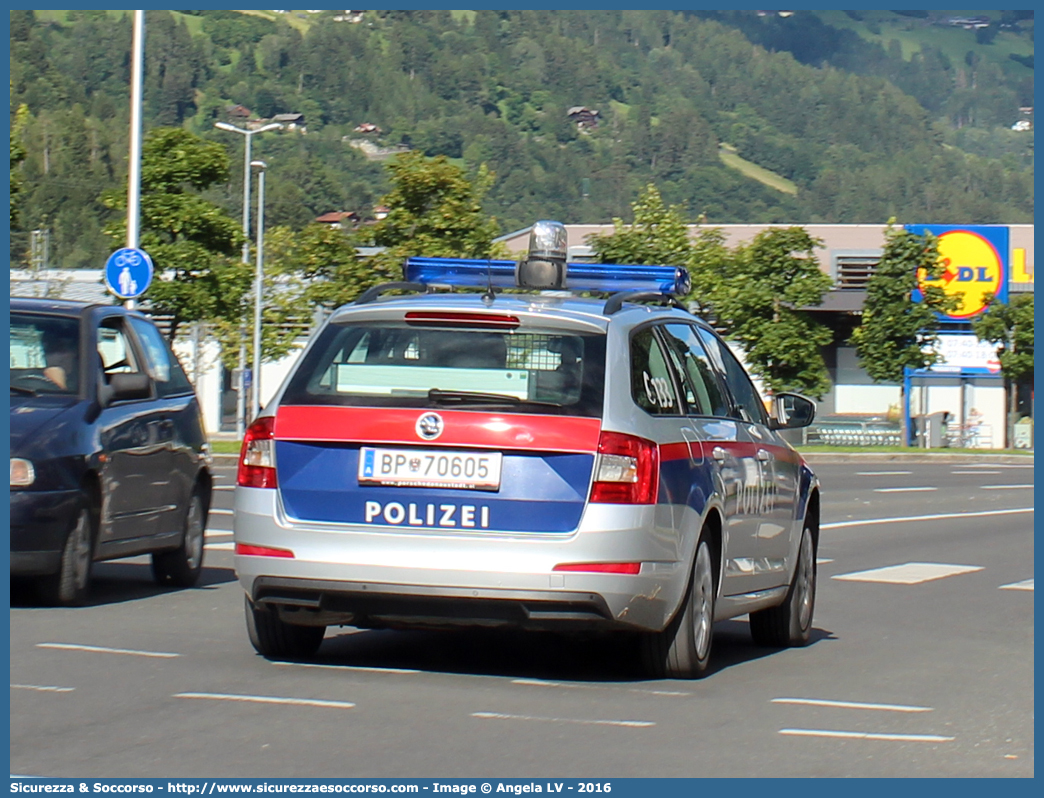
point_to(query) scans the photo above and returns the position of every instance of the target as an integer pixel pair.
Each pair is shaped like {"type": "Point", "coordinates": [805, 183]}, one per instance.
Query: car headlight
{"type": "Point", "coordinates": [22, 472]}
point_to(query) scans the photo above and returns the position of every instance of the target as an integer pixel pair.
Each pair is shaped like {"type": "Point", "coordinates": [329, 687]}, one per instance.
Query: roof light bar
{"type": "Point", "coordinates": [609, 277]}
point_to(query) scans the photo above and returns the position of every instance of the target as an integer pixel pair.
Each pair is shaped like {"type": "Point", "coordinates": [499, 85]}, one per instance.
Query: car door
{"type": "Point", "coordinates": [177, 419]}
{"type": "Point", "coordinates": [727, 456]}
{"type": "Point", "coordinates": [772, 469]}
{"type": "Point", "coordinates": [134, 478]}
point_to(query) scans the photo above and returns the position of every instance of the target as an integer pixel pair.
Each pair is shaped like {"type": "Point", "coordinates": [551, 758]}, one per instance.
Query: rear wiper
{"type": "Point", "coordinates": [23, 391]}
{"type": "Point", "coordinates": [471, 397]}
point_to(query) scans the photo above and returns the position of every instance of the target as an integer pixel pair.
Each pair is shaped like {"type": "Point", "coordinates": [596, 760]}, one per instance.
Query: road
{"type": "Point", "coordinates": [921, 665]}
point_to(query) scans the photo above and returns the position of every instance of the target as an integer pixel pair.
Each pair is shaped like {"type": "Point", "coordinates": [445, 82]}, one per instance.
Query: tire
{"type": "Point", "coordinates": [182, 566]}
{"type": "Point", "coordinates": [69, 587]}
{"type": "Point", "coordinates": [274, 639]}
{"type": "Point", "coordinates": [683, 649]}
{"type": "Point", "coordinates": [790, 623]}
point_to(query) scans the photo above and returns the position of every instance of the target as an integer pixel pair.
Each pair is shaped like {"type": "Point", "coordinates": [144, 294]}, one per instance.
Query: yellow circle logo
{"type": "Point", "coordinates": [971, 269]}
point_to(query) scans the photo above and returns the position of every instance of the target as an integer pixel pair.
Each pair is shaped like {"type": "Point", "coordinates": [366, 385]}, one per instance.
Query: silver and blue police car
{"type": "Point", "coordinates": [539, 460]}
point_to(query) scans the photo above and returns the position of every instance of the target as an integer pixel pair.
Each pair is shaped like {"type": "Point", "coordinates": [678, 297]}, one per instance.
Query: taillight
{"type": "Point", "coordinates": [627, 470]}
{"type": "Point", "coordinates": [257, 457]}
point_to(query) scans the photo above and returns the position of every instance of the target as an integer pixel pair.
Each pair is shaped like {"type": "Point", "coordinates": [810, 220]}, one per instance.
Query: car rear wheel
{"type": "Point", "coordinates": [276, 639]}
{"type": "Point", "coordinates": [182, 566]}
{"type": "Point", "coordinates": [790, 623]}
{"type": "Point", "coordinates": [69, 586]}
{"type": "Point", "coordinates": [683, 649]}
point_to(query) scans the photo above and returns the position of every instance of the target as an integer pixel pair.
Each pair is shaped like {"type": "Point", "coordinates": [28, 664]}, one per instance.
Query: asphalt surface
{"type": "Point", "coordinates": [922, 670]}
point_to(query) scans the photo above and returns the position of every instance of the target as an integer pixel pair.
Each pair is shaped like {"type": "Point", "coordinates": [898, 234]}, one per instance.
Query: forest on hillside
{"type": "Point", "coordinates": [849, 129]}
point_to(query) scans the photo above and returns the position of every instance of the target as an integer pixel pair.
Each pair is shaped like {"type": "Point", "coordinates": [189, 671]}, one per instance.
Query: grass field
{"type": "Point", "coordinates": [728, 156]}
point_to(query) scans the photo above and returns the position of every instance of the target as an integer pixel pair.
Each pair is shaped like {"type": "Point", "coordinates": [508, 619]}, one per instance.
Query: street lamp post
{"type": "Point", "coordinates": [259, 277]}
{"type": "Point", "coordinates": [247, 136]}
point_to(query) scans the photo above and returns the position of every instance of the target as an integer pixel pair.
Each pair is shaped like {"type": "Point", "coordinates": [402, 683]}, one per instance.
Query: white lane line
{"type": "Point", "coordinates": [573, 686]}
{"type": "Point", "coordinates": [1025, 584]}
{"type": "Point", "coordinates": [1005, 487]}
{"type": "Point", "coordinates": [882, 473]}
{"type": "Point", "coordinates": [822, 560]}
{"type": "Point", "coordinates": [229, 546]}
{"type": "Point", "coordinates": [219, 533]}
{"type": "Point", "coordinates": [269, 699]}
{"type": "Point", "coordinates": [361, 668]}
{"type": "Point", "coordinates": [961, 473]}
{"type": "Point", "coordinates": [42, 688]}
{"type": "Point", "coordinates": [1005, 465]}
{"type": "Point", "coordinates": [850, 735]}
{"type": "Point", "coordinates": [823, 702]}
{"type": "Point", "coordinates": [224, 487]}
{"type": "Point", "coordinates": [911, 573]}
{"type": "Point", "coordinates": [220, 511]}
{"type": "Point", "coordinates": [918, 489]}
{"type": "Point", "coordinates": [637, 724]}
{"type": "Point", "coordinates": [103, 650]}
{"type": "Point", "coordinates": [934, 517]}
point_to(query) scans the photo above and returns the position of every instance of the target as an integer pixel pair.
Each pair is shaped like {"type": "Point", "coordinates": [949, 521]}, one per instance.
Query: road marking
{"type": "Point", "coordinates": [629, 723]}
{"type": "Point", "coordinates": [822, 560]}
{"type": "Point", "coordinates": [1006, 465]}
{"type": "Point", "coordinates": [822, 702]}
{"type": "Point", "coordinates": [911, 573]}
{"type": "Point", "coordinates": [574, 686]}
{"type": "Point", "coordinates": [346, 667]}
{"type": "Point", "coordinates": [1006, 487]}
{"type": "Point", "coordinates": [103, 650]}
{"type": "Point", "coordinates": [224, 487]}
{"type": "Point", "coordinates": [219, 511]}
{"type": "Point", "coordinates": [1025, 584]}
{"type": "Point", "coordinates": [229, 546]}
{"type": "Point", "coordinates": [903, 490]}
{"type": "Point", "coordinates": [42, 688]}
{"type": "Point", "coordinates": [219, 533]}
{"type": "Point", "coordinates": [959, 473]}
{"type": "Point", "coordinates": [882, 473]}
{"type": "Point", "coordinates": [850, 735]}
{"type": "Point", "coordinates": [269, 699]}
{"type": "Point", "coordinates": [935, 517]}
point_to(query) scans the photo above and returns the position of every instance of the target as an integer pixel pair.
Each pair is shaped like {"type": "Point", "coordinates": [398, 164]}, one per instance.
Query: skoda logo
{"type": "Point", "coordinates": [429, 426]}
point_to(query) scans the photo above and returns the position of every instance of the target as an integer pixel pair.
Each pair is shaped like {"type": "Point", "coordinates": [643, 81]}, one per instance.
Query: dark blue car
{"type": "Point", "coordinates": [108, 454]}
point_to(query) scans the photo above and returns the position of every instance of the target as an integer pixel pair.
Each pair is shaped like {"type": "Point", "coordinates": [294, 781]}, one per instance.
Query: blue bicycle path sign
{"type": "Point", "coordinates": [128, 272]}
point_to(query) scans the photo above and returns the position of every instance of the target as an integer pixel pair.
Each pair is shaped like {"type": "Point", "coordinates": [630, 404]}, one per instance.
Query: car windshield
{"type": "Point", "coordinates": [45, 354]}
{"type": "Point", "coordinates": [397, 365]}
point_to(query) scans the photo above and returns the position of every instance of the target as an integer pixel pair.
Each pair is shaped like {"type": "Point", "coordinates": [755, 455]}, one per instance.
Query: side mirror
{"type": "Point", "coordinates": [792, 411]}
{"type": "Point", "coordinates": [123, 387]}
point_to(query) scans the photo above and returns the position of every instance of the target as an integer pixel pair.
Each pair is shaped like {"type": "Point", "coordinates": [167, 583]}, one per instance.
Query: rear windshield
{"type": "Point", "coordinates": [397, 365]}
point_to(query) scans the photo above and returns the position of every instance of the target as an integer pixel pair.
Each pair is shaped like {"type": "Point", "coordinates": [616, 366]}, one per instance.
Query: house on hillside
{"type": "Point", "coordinates": [339, 219]}
{"type": "Point", "coordinates": [380, 212]}
{"type": "Point", "coordinates": [584, 118]}
{"type": "Point", "coordinates": [291, 121]}
{"type": "Point", "coordinates": [368, 127]}
{"type": "Point", "coordinates": [238, 113]}
{"type": "Point", "coordinates": [355, 17]}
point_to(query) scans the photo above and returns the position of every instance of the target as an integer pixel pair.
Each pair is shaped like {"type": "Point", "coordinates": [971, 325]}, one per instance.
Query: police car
{"type": "Point", "coordinates": [538, 460]}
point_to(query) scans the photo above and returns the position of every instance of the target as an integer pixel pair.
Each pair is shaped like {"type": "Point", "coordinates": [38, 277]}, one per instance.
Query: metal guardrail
{"type": "Point", "coordinates": [854, 433]}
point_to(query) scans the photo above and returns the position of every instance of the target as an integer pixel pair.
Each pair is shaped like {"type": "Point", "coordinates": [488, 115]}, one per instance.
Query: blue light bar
{"type": "Point", "coordinates": [609, 277]}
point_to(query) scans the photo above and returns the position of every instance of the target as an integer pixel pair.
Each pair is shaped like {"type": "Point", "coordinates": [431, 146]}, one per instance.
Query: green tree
{"type": "Point", "coordinates": [192, 241]}
{"type": "Point", "coordinates": [898, 331]}
{"type": "Point", "coordinates": [760, 304]}
{"type": "Point", "coordinates": [659, 235]}
{"type": "Point", "coordinates": [1010, 327]}
{"type": "Point", "coordinates": [17, 156]}
{"type": "Point", "coordinates": [435, 211]}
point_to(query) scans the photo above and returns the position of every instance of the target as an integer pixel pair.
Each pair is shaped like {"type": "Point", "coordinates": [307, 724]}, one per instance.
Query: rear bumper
{"type": "Point", "coordinates": [369, 575]}
{"type": "Point", "coordinates": [40, 522]}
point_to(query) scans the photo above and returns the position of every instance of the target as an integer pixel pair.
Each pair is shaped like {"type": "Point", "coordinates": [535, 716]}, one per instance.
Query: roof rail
{"type": "Point", "coordinates": [616, 301]}
{"type": "Point", "coordinates": [370, 294]}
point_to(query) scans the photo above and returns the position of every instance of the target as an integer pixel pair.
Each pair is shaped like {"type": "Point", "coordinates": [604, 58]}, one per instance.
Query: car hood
{"type": "Point", "coordinates": [30, 414]}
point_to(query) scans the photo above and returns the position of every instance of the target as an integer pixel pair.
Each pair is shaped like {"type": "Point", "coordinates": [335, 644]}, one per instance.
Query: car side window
{"type": "Point", "coordinates": [749, 406]}
{"type": "Point", "coordinates": [161, 363]}
{"type": "Point", "coordinates": [704, 393]}
{"type": "Point", "coordinates": [652, 385]}
{"type": "Point", "coordinates": [117, 355]}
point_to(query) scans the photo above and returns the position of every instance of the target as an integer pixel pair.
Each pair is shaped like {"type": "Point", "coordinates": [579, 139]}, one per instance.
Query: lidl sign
{"type": "Point", "coordinates": [974, 261]}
